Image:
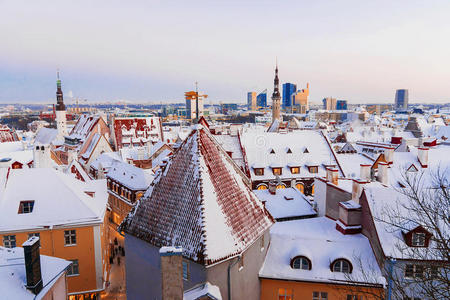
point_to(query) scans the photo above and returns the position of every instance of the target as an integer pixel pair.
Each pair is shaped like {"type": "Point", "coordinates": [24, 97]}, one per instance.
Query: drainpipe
{"type": "Point", "coordinates": [229, 275]}
{"type": "Point", "coordinates": [391, 262]}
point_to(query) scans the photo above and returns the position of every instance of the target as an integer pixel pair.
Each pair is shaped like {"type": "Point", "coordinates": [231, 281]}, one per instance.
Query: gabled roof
{"type": "Point", "coordinates": [201, 202]}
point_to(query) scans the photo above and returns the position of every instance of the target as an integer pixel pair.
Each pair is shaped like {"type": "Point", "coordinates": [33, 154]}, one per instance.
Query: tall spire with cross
{"type": "Point", "coordinates": [60, 110]}
{"type": "Point", "coordinates": [59, 94]}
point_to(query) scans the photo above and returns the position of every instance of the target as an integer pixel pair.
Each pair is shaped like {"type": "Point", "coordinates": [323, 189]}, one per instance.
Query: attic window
{"type": "Point", "coordinates": [418, 239]}
{"type": "Point", "coordinates": [259, 171]}
{"type": "Point", "coordinates": [26, 207]}
{"type": "Point", "coordinates": [91, 194]}
{"type": "Point", "coordinates": [341, 265]}
{"type": "Point", "coordinates": [289, 151]}
{"type": "Point", "coordinates": [276, 171]}
{"type": "Point", "coordinates": [301, 263]}
{"type": "Point", "coordinates": [306, 150]}
{"type": "Point", "coordinates": [272, 151]}
{"type": "Point", "coordinates": [295, 170]}
{"type": "Point", "coordinates": [313, 169]}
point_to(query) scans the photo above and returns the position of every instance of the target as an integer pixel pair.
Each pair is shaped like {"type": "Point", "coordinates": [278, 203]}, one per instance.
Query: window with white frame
{"type": "Point", "coordinates": [70, 237]}
{"type": "Point", "coordinates": [414, 271]}
{"type": "Point", "coordinates": [418, 239]}
{"type": "Point", "coordinates": [342, 265]}
{"type": "Point", "coordinates": [26, 207]}
{"type": "Point", "coordinates": [73, 269]}
{"type": "Point", "coordinates": [9, 241]}
{"type": "Point", "coordinates": [301, 262]}
{"type": "Point", "coordinates": [320, 296]}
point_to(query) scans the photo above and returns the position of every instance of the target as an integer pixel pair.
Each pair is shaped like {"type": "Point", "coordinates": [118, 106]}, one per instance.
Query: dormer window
{"type": "Point", "coordinates": [341, 265]}
{"type": "Point", "coordinates": [306, 150]}
{"type": "Point", "coordinates": [259, 171]}
{"type": "Point", "coordinates": [418, 239]}
{"type": "Point", "coordinates": [313, 169]}
{"type": "Point", "coordinates": [272, 151]}
{"type": "Point", "coordinates": [295, 170]}
{"type": "Point", "coordinates": [289, 151]}
{"type": "Point", "coordinates": [276, 171]}
{"type": "Point", "coordinates": [26, 207]}
{"type": "Point", "coordinates": [301, 263]}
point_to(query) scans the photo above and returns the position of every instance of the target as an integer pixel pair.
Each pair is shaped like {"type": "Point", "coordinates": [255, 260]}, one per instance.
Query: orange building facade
{"type": "Point", "coordinates": [297, 290]}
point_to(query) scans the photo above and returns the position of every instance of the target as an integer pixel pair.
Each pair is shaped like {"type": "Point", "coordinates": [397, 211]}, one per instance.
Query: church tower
{"type": "Point", "coordinates": [60, 111]}
{"type": "Point", "coordinates": [276, 98]}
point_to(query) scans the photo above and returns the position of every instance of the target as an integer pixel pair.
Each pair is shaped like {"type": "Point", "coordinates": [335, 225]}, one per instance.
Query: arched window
{"type": "Point", "coordinates": [341, 265]}
{"type": "Point", "coordinates": [281, 186]}
{"type": "Point", "coordinates": [262, 187]}
{"type": "Point", "coordinates": [301, 262]}
{"type": "Point", "coordinates": [300, 187]}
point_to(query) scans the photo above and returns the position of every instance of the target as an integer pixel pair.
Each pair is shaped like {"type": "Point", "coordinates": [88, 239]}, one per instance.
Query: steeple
{"type": "Point", "coordinates": [276, 98]}
{"type": "Point", "coordinates": [59, 94]}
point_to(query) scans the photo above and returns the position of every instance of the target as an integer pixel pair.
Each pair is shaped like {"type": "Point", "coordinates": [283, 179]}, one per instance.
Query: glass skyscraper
{"type": "Point", "coordinates": [288, 90]}
{"type": "Point", "coordinates": [261, 99]}
{"type": "Point", "coordinates": [341, 105]}
{"type": "Point", "coordinates": [401, 99]}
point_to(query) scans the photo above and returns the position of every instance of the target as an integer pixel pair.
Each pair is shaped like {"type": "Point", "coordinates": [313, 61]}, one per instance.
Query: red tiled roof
{"type": "Point", "coordinates": [202, 203]}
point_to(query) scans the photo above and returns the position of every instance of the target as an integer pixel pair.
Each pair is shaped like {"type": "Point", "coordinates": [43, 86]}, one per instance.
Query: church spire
{"type": "Point", "coordinates": [276, 98]}
{"type": "Point", "coordinates": [59, 94]}
{"type": "Point", "coordinates": [276, 84]}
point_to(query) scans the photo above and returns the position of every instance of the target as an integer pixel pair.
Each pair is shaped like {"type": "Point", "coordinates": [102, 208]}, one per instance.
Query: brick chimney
{"type": "Point", "coordinates": [172, 273]}
{"type": "Point", "coordinates": [383, 172]}
{"type": "Point", "coordinates": [422, 155]}
{"type": "Point", "coordinates": [350, 214]}
{"type": "Point", "coordinates": [365, 172]}
{"type": "Point", "coordinates": [357, 188]}
{"type": "Point", "coordinates": [332, 176]}
{"type": "Point", "coordinates": [389, 155]}
{"type": "Point", "coordinates": [33, 264]}
{"type": "Point", "coordinates": [272, 187]}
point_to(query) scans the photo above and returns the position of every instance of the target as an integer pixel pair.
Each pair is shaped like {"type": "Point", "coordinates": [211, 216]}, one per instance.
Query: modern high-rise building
{"type": "Point", "coordinates": [191, 105]}
{"type": "Point", "coordinates": [401, 99]}
{"type": "Point", "coordinates": [300, 101]}
{"type": "Point", "coordinates": [261, 99]}
{"type": "Point", "coordinates": [289, 89]}
{"type": "Point", "coordinates": [341, 105]}
{"type": "Point", "coordinates": [329, 103]}
{"type": "Point", "coordinates": [251, 100]}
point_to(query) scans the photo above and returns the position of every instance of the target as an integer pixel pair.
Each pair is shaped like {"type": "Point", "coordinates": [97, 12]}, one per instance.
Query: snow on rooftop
{"type": "Point", "coordinates": [13, 277]}
{"type": "Point", "coordinates": [130, 176]}
{"type": "Point", "coordinates": [321, 243]}
{"type": "Point", "coordinates": [46, 136]}
{"type": "Point", "coordinates": [58, 199]}
{"type": "Point", "coordinates": [286, 203]}
{"type": "Point", "coordinates": [202, 290]}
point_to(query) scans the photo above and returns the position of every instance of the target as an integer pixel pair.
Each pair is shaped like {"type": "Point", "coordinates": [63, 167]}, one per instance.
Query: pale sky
{"type": "Point", "coordinates": [154, 51]}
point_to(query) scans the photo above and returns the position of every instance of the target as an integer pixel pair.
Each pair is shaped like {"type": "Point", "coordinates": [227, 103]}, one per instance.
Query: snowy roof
{"type": "Point", "coordinates": [201, 202]}
{"type": "Point", "coordinates": [106, 160]}
{"type": "Point", "coordinates": [91, 146]}
{"type": "Point", "coordinates": [137, 130]}
{"type": "Point", "coordinates": [13, 277]}
{"type": "Point", "coordinates": [308, 148]}
{"type": "Point", "coordinates": [230, 143]}
{"type": "Point", "coordinates": [321, 243]}
{"type": "Point", "coordinates": [130, 176]}
{"type": "Point", "coordinates": [59, 199]}
{"type": "Point", "coordinates": [383, 200]}
{"type": "Point", "coordinates": [350, 163]}
{"type": "Point", "coordinates": [84, 126]}
{"type": "Point", "coordinates": [202, 290]}
{"type": "Point", "coordinates": [46, 136]}
{"type": "Point", "coordinates": [286, 203]}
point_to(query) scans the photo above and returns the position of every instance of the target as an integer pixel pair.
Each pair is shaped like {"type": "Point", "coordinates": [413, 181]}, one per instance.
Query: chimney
{"type": "Point", "coordinates": [389, 155]}
{"type": "Point", "coordinates": [383, 172]}
{"type": "Point", "coordinates": [172, 273]}
{"type": "Point", "coordinates": [33, 264]}
{"type": "Point", "coordinates": [272, 187]}
{"type": "Point", "coordinates": [422, 155]}
{"type": "Point", "coordinates": [365, 172]}
{"type": "Point", "coordinates": [332, 176]}
{"type": "Point", "coordinates": [357, 188]}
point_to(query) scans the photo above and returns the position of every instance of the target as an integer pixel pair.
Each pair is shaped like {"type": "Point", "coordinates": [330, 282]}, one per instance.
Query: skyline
{"type": "Point", "coordinates": [151, 53]}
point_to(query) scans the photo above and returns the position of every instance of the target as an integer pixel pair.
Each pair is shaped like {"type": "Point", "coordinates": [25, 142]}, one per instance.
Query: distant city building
{"type": "Point", "coordinates": [227, 107]}
{"type": "Point", "coordinates": [191, 105]}
{"type": "Point", "coordinates": [341, 105]}
{"type": "Point", "coordinates": [289, 89]}
{"type": "Point", "coordinates": [401, 99]}
{"type": "Point", "coordinates": [261, 99]}
{"type": "Point", "coordinates": [300, 100]}
{"type": "Point", "coordinates": [251, 100]}
{"type": "Point", "coordinates": [329, 103]}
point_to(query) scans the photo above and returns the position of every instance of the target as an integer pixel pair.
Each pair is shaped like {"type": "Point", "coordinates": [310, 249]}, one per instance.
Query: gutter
{"type": "Point", "coordinates": [229, 275]}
